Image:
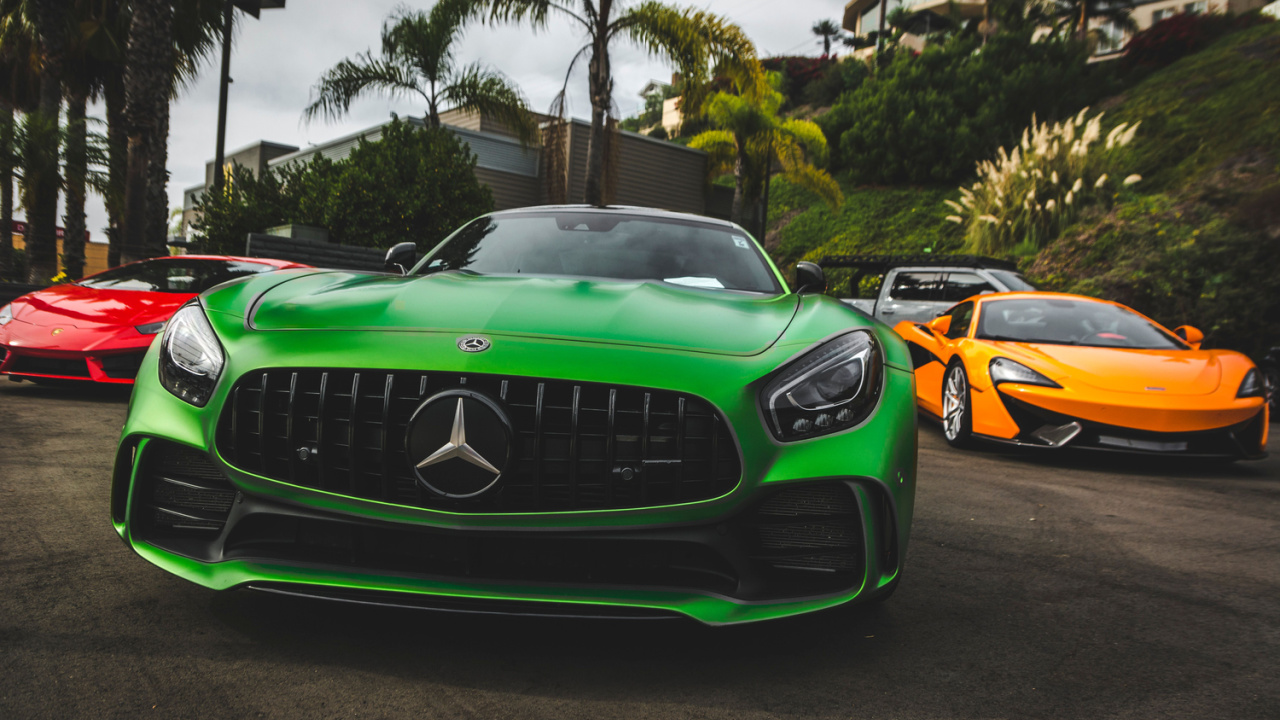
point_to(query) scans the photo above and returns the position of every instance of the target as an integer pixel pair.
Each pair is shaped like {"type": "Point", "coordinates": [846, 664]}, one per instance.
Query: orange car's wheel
{"type": "Point", "coordinates": [957, 411]}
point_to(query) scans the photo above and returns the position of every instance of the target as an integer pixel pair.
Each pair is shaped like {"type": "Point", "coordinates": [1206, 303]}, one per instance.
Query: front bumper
{"type": "Point", "coordinates": [1041, 427]}
{"type": "Point", "coordinates": [724, 560]}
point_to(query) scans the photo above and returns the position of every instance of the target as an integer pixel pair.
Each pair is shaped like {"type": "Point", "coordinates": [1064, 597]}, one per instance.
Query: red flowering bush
{"type": "Point", "coordinates": [1178, 36]}
{"type": "Point", "coordinates": [798, 71]}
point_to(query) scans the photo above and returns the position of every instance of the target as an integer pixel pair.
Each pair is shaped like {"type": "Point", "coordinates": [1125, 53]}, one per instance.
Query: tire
{"type": "Point", "coordinates": [1271, 376]}
{"type": "Point", "coordinates": [957, 407]}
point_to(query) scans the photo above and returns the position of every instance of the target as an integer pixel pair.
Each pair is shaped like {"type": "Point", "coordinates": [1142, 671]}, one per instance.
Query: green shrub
{"type": "Point", "coordinates": [928, 118]}
{"type": "Point", "coordinates": [415, 185]}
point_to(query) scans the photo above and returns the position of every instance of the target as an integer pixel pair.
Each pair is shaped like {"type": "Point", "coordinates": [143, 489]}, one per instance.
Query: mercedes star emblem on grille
{"type": "Point", "coordinates": [458, 443]}
{"type": "Point", "coordinates": [473, 343]}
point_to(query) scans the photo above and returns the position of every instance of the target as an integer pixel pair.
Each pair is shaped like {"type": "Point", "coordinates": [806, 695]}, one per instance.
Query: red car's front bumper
{"type": "Point", "coordinates": [107, 367]}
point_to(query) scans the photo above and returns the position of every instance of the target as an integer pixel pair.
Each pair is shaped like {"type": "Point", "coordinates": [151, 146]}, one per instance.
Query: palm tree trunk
{"type": "Point", "coordinates": [42, 215]}
{"type": "Point", "coordinates": [739, 186]}
{"type": "Point", "coordinates": [148, 79]}
{"type": "Point", "coordinates": [117, 160]}
{"type": "Point", "coordinates": [600, 78]}
{"type": "Point", "coordinates": [73, 220]}
{"type": "Point", "coordinates": [42, 211]}
{"type": "Point", "coordinates": [157, 188]}
{"type": "Point", "coordinates": [6, 189]}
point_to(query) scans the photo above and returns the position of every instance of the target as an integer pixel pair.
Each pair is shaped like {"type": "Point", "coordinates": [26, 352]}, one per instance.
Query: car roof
{"type": "Point", "coordinates": [1036, 294]}
{"type": "Point", "coordinates": [619, 210]}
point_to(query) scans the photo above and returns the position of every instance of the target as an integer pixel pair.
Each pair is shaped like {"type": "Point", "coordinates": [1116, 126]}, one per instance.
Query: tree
{"type": "Point", "coordinates": [695, 41]}
{"type": "Point", "coordinates": [19, 87]}
{"type": "Point", "coordinates": [828, 30]}
{"type": "Point", "coordinates": [418, 59]}
{"type": "Point", "coordinates": [411, 185]}
{"type": "Point", "coordinates": [1073, 15]}
{"type": "Point", "coordinates": [750, 139]}
{"type": "Point", "coordinates": [148, 81]}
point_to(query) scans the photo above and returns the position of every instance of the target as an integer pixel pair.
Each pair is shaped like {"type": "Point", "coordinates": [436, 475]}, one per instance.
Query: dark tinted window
{"type": "Point", "coordinates": [917, 286]}
{"type": "Point", "coordinates": [175, 275]}
{"type": "Point", "coordinates": [613, 246]}
{"type": "Point", "coordinates": [961, 316]}
{"type": "Point", "coordinates": [1060, 321]}
{"type": "Point", "coordinates": [1012, 280]}
{"type": "Point", "coordinates": [961, 286]}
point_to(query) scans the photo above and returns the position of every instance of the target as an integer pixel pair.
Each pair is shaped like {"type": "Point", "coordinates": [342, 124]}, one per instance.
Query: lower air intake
{"type": "Point", "coordinates": [182, 491]}
{"type": "Point", "coordinates": [813, 530]}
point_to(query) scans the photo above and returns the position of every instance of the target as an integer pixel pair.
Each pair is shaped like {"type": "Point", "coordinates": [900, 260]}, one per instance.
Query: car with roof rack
{"type": "Point", "coordinates": [916, 288]}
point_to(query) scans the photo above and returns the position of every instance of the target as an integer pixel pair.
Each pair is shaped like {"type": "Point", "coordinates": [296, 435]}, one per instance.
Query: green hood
{"type": "Point", "coordinates": [637, 313]}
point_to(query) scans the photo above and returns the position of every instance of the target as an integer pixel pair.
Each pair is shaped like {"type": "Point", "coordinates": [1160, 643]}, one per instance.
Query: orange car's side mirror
{"type": "Point", "coordinates": [1190, 335]}
{"type": "Point", "coordinates": [940, 325]}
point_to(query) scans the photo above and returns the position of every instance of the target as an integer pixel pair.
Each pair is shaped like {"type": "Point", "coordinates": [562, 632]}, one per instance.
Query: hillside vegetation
{"type": "Point", "coordinates": [1197, 241]}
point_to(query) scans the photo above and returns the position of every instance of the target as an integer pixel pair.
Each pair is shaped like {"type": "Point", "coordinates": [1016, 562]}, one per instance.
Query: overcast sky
{"type": "Point", "coordinates": [278, 58]}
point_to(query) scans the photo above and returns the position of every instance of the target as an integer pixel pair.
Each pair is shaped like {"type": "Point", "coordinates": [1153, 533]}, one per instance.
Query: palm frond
{"type": "Point", "coordinates": [350, 79]}
{"type": "Point", "coordinates": [721, 148]}
{"type": "Point", "coordinates": [491, 94]}
{"type": "Point", "coordinates": [818, 182]}
{"type": "Point", "coordinates": [535, 12]}
{"type": "Point", "coordinates": [699, 43]}
{"type": "Point", "coordinates": [810, 136]}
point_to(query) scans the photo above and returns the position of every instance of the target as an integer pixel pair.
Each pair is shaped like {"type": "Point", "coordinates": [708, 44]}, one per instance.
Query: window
{"type": "Point", "coordinates": [961, 286]}
{"type": "Point", "coordinates": [1195, 8]}
{"type": "Point", "coordinates": [1061, 321]}
{"type": "Point", "coordinates": [917, 286]}
{"type": "Point", "coordinates": [1110, 38]}
{"type": "Point", "coordinates": [174, 275]}
{"type": "Point", "coordinates": [626, 247]}
{"type": "Point", "coordinates": [1162, 14]}
{"type": "Point", "coordinates": [961, 316]}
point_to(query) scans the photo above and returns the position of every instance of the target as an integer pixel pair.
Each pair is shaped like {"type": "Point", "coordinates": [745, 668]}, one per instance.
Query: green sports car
{"type": "Point", "coordinates": [564, 411]}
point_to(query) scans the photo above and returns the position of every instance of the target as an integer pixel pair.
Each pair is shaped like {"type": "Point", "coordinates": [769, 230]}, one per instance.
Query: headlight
{"type": "Point", "coordinates": [1252, 385]}
{"type": "Point", "coordinates": [191, 359]}
{"type": "Point", "coordinates": [150, 328]}
{"type": "Point", "coordinates": [829, 389]}
{"type": "Point", "coordinates": [1004, 370]}
{"type": "Point", "coordinates": [6, 314]}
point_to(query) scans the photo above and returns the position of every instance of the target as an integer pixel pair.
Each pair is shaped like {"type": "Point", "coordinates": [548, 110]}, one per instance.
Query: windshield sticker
{"type": "Point", "coordinates": [740, 241]}
{"type": "Point", "coordinates": [698, 282]}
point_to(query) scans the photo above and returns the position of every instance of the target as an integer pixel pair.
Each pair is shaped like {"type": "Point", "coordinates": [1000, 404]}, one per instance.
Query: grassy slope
{"type": "Point", "coordinates": [880, 219]}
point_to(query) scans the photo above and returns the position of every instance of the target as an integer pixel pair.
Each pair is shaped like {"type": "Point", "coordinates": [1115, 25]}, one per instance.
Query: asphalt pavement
{"type": "Point", "coordinates": [1036, 587]}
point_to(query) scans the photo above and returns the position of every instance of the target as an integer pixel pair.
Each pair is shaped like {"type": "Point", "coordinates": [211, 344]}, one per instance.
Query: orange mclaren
{"type": "Point", "coordinates": [1054, 370]}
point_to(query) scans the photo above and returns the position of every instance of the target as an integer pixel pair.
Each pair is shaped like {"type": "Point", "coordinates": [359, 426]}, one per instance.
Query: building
{"type": "Point", "coordinates": [651, 173]}
{"type": "Point", "coordinates": [862, 17]}
{"type": "Point", "coordinates": [95, 254]}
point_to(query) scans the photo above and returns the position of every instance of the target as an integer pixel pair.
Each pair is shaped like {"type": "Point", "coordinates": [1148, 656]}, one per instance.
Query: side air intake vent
{"type": "Point", "coordinates": [812, 534]}
{"type": "Point", "coordinates": [181, 492]}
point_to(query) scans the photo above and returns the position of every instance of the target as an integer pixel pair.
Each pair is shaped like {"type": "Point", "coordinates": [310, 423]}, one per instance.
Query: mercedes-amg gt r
{"type": "Point", "coordinates": [1053, 370]}
{"type": "Point", "coordinates": [557, 411]}
{"type": "Point", "coordinates": [97, 329]}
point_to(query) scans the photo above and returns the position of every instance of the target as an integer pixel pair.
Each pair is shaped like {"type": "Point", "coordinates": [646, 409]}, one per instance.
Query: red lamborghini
{"type": "Point", "coordinates": [99, 328]}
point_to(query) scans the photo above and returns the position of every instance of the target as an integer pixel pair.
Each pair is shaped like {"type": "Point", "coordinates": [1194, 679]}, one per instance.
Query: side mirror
{"type": "Point", "coordinates": [810, 278]}
{"type": "Point", "coordinates": [941, 324]}
{"type": "Point", "coordinates": [1190, 335]}
{"type": "Point", "coordinates": [401, 257]}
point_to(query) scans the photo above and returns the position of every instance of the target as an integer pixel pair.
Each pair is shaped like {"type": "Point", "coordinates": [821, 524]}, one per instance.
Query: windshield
{"type": "Point", "coordinates": [1059, 321]}
{"type": "Point", "coordinates": [1012, 280]}
{"type": "Point", "coordinates": [610, 246]}
{"type": "Point", "coordinates": [173, 275]}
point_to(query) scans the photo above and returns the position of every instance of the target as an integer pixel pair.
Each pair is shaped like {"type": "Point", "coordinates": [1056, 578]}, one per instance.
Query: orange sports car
{"type": "Point", "coordinates": [1054, 370]}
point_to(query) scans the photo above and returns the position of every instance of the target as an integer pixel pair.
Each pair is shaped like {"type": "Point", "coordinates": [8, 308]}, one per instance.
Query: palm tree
{"type": "Point", "coordinates": [828, 30]}
{"type": "Point", "coordinates": [19, 87]}
{"type": "Point", "coordinates": [1073, 15]}
{"type": "Point", "coordinates": [750, 139]}
{"type": "Point", "coordinates": [148, 82]}
{"type": "Point", "coordinates": [696, 41]}
{"type": "Point", "coordinates": [418, 59]}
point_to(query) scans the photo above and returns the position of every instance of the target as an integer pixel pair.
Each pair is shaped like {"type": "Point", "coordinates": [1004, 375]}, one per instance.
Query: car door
{"type": "Point", "coordinates": [931, 353]}
{"type": "Point", "coordinates": [913, 295]}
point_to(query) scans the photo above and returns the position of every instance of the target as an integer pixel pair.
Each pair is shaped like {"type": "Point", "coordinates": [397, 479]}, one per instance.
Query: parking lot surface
{"type": "Point", "coordinates": [1036, 587]}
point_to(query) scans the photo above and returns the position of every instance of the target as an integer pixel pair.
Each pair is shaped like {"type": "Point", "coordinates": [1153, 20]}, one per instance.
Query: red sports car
{"type": "Point", "coordinates": [99, 328]}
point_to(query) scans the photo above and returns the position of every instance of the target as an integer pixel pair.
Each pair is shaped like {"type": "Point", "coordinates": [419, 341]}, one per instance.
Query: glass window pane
{"type": "Point", "coordinates": [917, 286]}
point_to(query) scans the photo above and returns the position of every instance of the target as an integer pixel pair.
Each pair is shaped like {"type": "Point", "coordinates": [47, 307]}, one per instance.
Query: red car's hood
{"type": "Point", "coordinates": [92, 308]}
{"type": "Point", "coordinates": [1175, 372]}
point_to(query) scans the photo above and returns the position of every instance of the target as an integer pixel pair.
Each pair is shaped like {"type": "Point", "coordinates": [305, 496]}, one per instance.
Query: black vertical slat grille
{"type": "Point", "coordinates": [577, 446]}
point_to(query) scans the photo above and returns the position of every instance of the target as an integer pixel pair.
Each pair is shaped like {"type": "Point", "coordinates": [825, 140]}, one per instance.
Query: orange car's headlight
{"type": "Point", "coordinates": [1004, 370]}
{"type": "Point", "coordinates": [1252, 385]}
